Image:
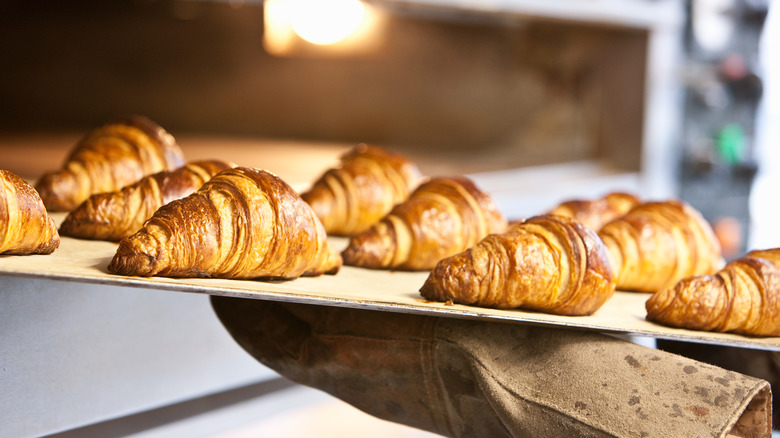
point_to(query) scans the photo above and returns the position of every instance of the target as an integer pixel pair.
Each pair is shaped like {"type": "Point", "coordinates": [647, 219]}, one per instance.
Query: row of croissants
{"type": "Point", "coordinates": [128, 181]}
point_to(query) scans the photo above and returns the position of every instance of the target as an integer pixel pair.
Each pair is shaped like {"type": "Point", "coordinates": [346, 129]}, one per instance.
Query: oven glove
{"type": "Point", "coordinates": [467, 378]}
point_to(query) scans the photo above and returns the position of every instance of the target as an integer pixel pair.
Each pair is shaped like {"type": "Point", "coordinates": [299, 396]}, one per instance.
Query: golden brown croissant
{"type": "Point", "coordinates": [243, 223]}
{"type": "Point", "coordinates": [25, 225]}
{"type": "Point", "coordinates": [363, 189]}
{"type": "Point", "coordinates": [656, 244]}
{"type": "Point", "coordinates": [442, 217]}
{"type": "Point", "coordinates": [743, 297]}
{"type": "Point", "coordinates": [108, 158]}
{"type": "Point", "coordinates": [118, 214]}
{"type": "Point", "coordinates": [594, 213]}
{"type": "Point", "coordinates": [547, 263]}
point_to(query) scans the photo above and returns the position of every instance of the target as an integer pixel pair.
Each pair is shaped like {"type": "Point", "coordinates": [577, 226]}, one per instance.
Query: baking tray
{"type": "Point", "coordinates": [394, 291]}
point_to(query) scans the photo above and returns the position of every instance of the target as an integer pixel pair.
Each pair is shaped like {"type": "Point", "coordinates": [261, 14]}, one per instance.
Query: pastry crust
{"type": "Point", "coordinates": [243, 223]}
{"type": "Point", "coordinates": [442, 217]}
{"type": "Point", "coordinates": [743, 297]}
{"type": "Point", "coordinates": [108, 158]}
{"type": "Point", "coordinates": [548, 263]}
{"type": "Point", "coordinates": [657, 244]}
{"type": "Point", "coordinates": [25, 225]}
{"type": "Point", "coordinates": [369, 181]}
{"type": "Point", "coordinates": [118, 214]}
{"type": "Point", "coordinates": [595, 213]}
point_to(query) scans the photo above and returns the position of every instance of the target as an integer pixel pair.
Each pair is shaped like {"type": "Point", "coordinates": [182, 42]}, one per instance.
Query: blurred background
{"type": "Point", "coordinates": [539, 101]}
{"type": "Point", "coordinates": [662, 95]}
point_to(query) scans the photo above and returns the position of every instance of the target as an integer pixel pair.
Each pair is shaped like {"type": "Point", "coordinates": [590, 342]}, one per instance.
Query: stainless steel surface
{"type": "Point", "coordinates": [77, 353]}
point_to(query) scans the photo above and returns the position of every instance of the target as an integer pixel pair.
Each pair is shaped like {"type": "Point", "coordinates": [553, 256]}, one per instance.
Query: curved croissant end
{"type": "Point", "coordinates": [743, 297]}
{"type": "Point", "coordinates": [108, 158]}
{"type": "Point", "coordinates": [243, 223]}
{"type": "Point", "coordinates": [118, 214]}
{"type": "Point", "coordinates": [595, 213]}
{"type": "Point", "coordinates": [442, 217]}
{"type": "Point", "coordinates": [365, 187]}
{"type": "Point", "coordinates": [657, 244]}
{"type": "Point", "coordinates": [25, 225]}
{"type": "Point", "coordinates": [547, 263]}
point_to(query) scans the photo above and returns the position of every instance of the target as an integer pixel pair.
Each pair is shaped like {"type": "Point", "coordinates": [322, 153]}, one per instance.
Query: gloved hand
{"type": "Point", "coordinates": [468, 378]}
{"type": "Point", "coordinates": [761, 364]}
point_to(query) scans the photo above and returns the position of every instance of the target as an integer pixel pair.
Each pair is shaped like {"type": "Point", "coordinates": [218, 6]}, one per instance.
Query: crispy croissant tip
{"type": "Point", "coordinates": [370, 250]}
{"type": "Point", "coordinates": [428, 291]}
{"type": "Point", "coordinates": [439, 281]}
{"type": "Point", "coordinates": [665, 306]}
{"type": "Point", "coordinates": [82, 227]}
{"type": "Point", "coordinates": [56, 200]}
{"type": "Point", "coordinates": [128, 261]}
{"type": "Point", "coordinates": [131, 264]}
{"type": "Point", "coordinates": [44, 249]}
{"type": "Point", "coordinates": [658, 302]}
{"type": "Point", "coordinates": [353, 255]}
{"type": "Point", "coordinates": [332, 267]}
{"type": "Point", "coordinates": [433, 290]}
{"type": "Point", "coordinates": [52, 245]}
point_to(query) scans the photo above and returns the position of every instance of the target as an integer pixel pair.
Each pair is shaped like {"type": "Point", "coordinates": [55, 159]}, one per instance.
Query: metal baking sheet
{"type": "Point", "coordinates": [86, 261]}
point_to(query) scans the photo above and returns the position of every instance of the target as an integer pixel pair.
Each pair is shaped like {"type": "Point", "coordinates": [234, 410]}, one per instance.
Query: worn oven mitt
{"type": "Point", "coordinates": [757, 363]}
{"type": "Point", "coordinates": [466, 378]}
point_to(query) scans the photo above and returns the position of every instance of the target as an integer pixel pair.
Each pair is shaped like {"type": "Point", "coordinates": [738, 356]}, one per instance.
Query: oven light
{"type": "Point", "coordinates": [325, 22]}
{"type": "Point", "coordinates": [336, 26]}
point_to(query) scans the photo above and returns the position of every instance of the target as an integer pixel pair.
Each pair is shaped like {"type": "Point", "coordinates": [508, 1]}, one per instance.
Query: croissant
{"type": "Point", "coordinates": [243, 223]}
{"type": "Point", "coordinates": [25, 225]}
{"type": "Point", "coordinates": [743, 297]}
{"type": "Point", "coordinates": [594, 213]}
{"type": "Point", "coordinates": [657, 244]}
{"type": "Point", "coordinates": [108, 158]}
{"type": "Point", "coordinates": [118, 214]}
{"type": "Point", "coordinates": [363, 189]}
{"type": "Point", "coordinates": [547, 263]}
{"type": "Point", "coordinates": [442, 217]}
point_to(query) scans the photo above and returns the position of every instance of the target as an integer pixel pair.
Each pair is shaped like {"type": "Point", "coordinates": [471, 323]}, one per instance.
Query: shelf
{"type": "Point", "coordinates": [84, 261]}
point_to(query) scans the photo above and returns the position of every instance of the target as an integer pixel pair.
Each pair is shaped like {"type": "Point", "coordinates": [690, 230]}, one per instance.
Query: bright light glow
{"type": "Point", "coordinates": [278, 34]}
{"type": "Point", "coordinates": [322, 28]}
{"type": "Point", "coordinates": [325, 21]}
{"type": "Point", "coordinates": [713, 23]}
